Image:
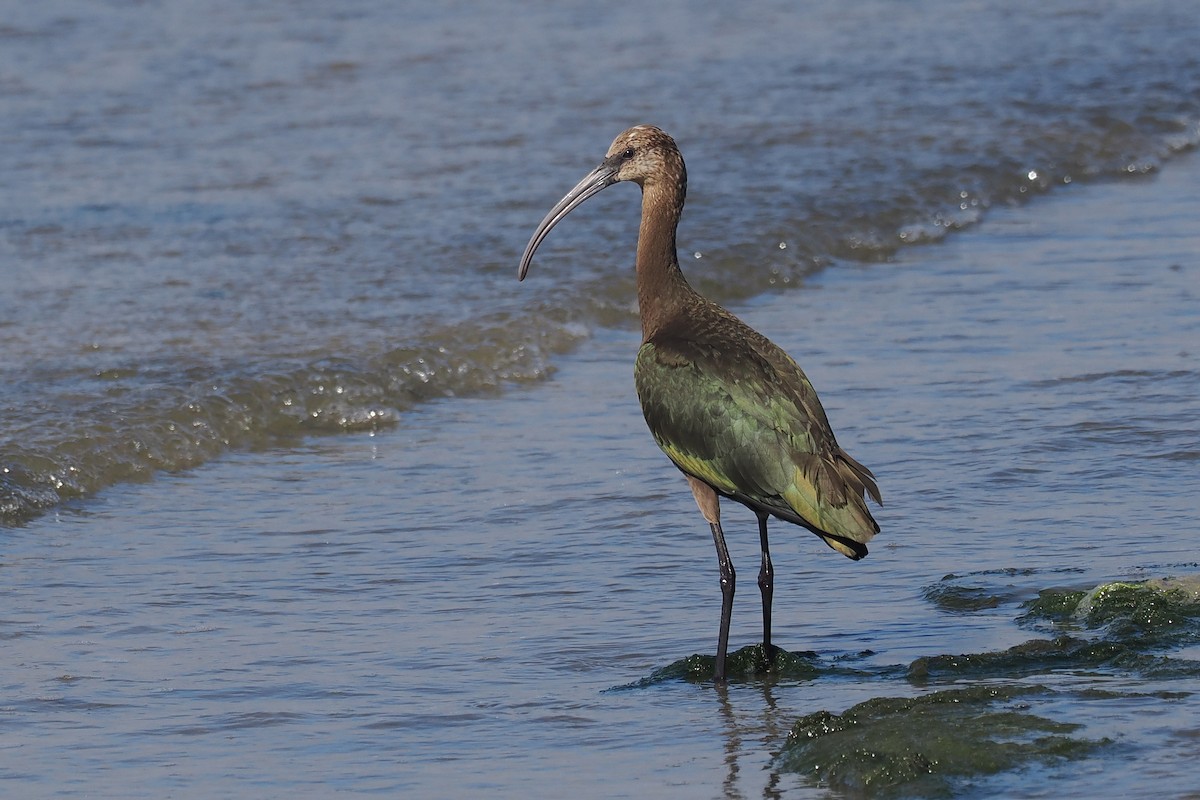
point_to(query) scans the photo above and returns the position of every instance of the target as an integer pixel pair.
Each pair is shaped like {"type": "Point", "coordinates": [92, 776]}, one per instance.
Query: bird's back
{"type": "Point", "coordinates": [732, 409]}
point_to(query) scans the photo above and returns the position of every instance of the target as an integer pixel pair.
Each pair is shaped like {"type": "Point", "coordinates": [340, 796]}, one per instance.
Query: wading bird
{"type": "Point", "coordinates": [732, 410]}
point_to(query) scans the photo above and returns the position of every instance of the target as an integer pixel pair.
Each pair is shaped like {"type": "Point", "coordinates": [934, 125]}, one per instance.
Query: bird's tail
{"type": "Point", "coordinates": [829, 494]}
{"type": "Point", "coordinates": [865, 477]}
{"type": "Point", "coordinates": [847, 547]}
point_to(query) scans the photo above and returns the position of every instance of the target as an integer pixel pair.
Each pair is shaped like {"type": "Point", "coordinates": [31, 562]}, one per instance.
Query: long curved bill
{"type": "Point", "coordinates": [600, 178]}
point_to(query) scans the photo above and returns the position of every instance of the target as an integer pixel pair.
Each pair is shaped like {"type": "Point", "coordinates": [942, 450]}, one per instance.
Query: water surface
{"type": "Point", "coordinates": [304, 494]}
{"type": "Point", "coordinates": [228, 226]}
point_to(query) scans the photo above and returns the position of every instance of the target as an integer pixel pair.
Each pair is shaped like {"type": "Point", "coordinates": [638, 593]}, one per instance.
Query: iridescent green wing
{"type": "Point", "coordinates": [747, 421]}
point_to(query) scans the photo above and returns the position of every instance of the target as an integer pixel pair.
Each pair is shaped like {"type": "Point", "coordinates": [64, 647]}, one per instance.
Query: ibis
{"type": "Point", "coordinates": [728, 407]}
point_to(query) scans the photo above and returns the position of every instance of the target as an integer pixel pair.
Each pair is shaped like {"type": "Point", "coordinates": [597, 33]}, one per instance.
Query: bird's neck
{"type": "Point", "coordinates": [663, 293]}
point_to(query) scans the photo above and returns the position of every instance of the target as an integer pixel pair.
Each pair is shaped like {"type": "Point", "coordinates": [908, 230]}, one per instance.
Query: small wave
{"type": "Point", "coordinates": [143, 422]}
{"type": "Point", "coordinates": [931, 204]}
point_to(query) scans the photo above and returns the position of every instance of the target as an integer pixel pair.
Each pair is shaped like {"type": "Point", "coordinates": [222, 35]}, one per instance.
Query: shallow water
{"type": "Point", "coordinates": [467, 605]}
{"type": "Point", "coordinates": [488, 580]}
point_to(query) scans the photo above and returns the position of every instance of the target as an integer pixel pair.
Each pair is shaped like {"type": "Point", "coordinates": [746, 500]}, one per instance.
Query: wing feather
{"type": "Point", "coordinates": [730, 408]}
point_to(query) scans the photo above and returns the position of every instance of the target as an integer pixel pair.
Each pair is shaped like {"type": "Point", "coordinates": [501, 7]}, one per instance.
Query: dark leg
{"type": "Point", "coordinates": [728, 583]}
{"type": "Point", "coordinates": [766, 583]}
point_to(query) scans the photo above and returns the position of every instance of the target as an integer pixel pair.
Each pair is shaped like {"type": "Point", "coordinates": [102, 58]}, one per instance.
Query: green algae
{"type": "Point", "coordinates": [953, 593]}
{"type": "Point", "coordinates": [1117, 626]}
{"type": "Point", "coordinates": [954, 598]}
{"type": "Point", "coordinates": [1053, 604]}
{"type": "Point", "coordinates": [1060, 654]}
{"type": "Point", "coordinates": [928, 745]}
{"type": "Point", "coordinates": [751, 663]}
{"type": "Point", "coordinates": [1161, 612]}
{"type": "Point", "coordinates": [948, 742]}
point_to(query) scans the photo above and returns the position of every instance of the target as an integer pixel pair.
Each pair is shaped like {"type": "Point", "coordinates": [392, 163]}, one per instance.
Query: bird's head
{"type": "Point", "coordinates": [644, 155]}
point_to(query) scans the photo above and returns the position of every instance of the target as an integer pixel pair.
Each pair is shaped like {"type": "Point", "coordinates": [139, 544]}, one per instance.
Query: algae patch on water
{"type": "Point", "coordinates": [1159, 612]}
{"type": "Point", "coordinates": [1040, 656]}
{"type": "Point", "coordinates": [948, 597]}
{"type": "Point", "coordinates": [926, 746]}
{"type": "Point", "coordinates": [1118, 626]}
{"type": "Point", "coordinates": [953, 595]}
{"type": "Point", "coordinates": [750, 663]}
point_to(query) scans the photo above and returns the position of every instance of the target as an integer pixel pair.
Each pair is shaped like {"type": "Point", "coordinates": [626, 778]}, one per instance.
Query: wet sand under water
{"type": "Point", "coordinates": [471, 604]}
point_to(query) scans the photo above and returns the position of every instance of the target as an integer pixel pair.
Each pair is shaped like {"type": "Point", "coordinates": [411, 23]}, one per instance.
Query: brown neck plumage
{"type": "Point", "coordinates": [663, 292]}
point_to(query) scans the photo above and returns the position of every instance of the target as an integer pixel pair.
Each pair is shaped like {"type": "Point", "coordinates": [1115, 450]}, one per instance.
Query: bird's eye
{"type": "Point", "coordinates": [628, 154]}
